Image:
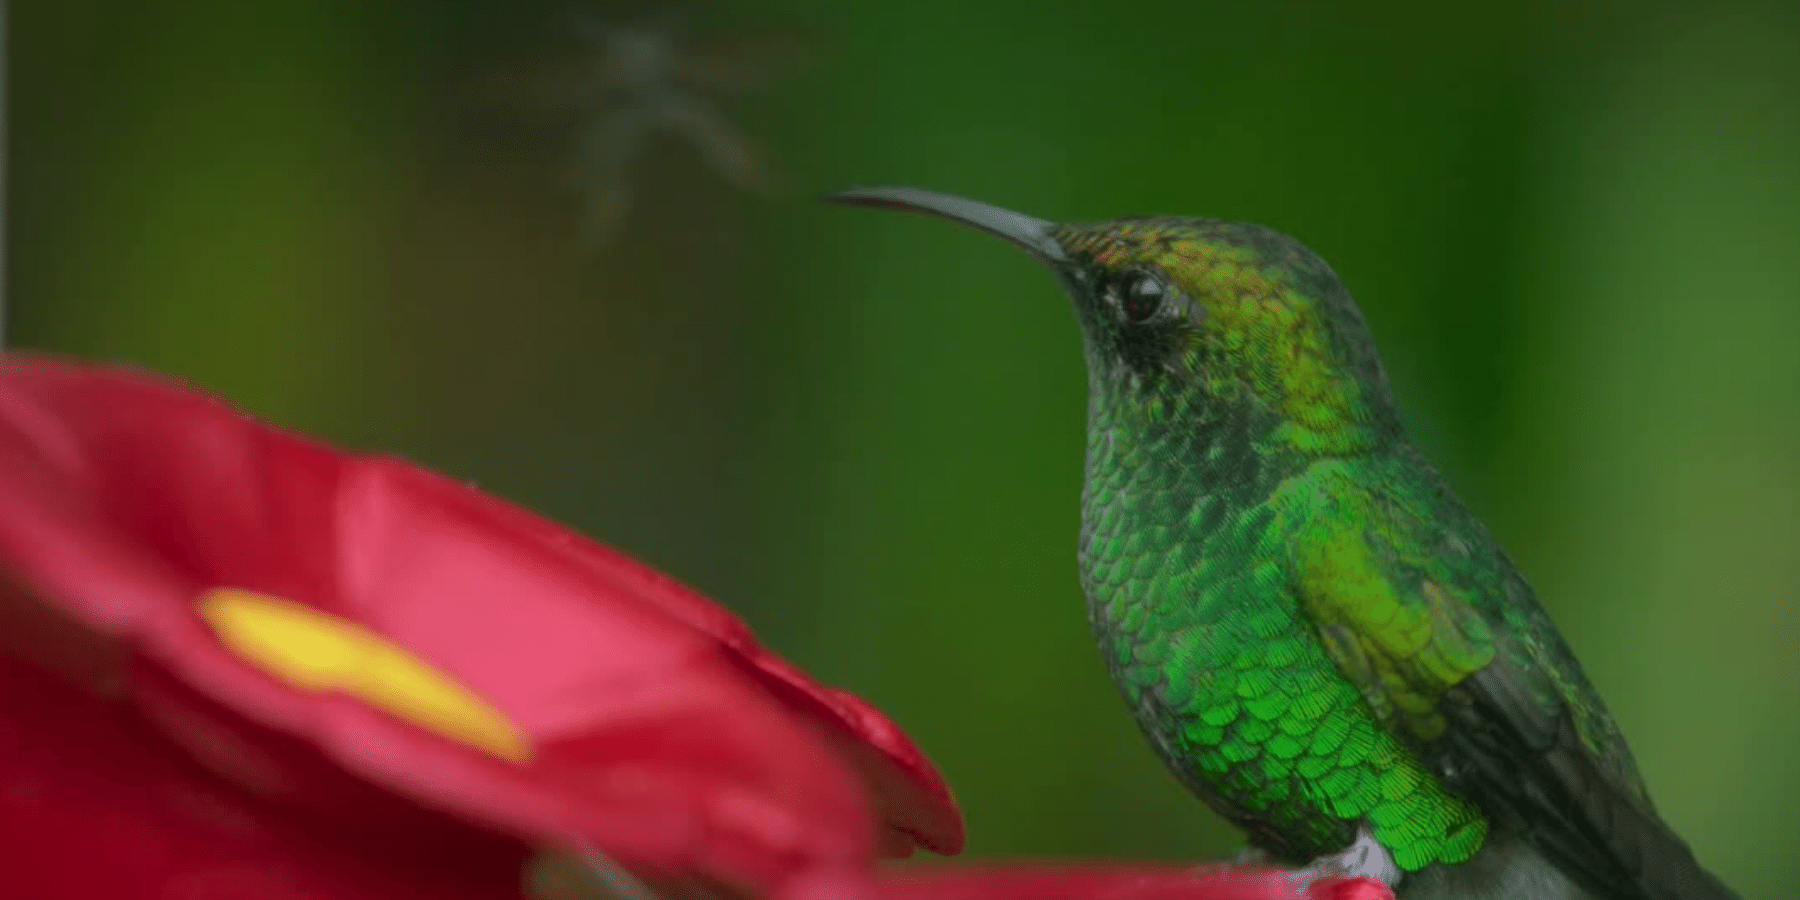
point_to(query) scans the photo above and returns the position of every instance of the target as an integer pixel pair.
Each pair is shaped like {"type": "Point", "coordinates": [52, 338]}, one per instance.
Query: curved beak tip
{"type": "Point", "coordinates": [1033, 235]}
{"type": "Point", "coordinates": [875, 196]}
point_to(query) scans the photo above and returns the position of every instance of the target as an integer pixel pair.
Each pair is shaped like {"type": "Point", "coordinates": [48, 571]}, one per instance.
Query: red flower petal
{"type": "Point", "coordinates": [95, 804]}
{"type": "Point", "coordinates": [660, 733]}
{"type": "Point", "coordinates": [1038, 882]}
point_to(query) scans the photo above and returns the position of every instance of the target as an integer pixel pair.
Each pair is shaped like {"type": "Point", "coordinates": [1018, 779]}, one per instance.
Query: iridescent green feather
{"type": "Point", "coordinates": [1288, 592]}
{"type": "Point", "coordinates": [1212, 645]}
{"type": "Point", "coordinates": [1313, 632]}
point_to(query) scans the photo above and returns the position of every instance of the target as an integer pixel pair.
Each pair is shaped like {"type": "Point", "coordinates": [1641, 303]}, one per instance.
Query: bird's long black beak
{"type": "Point", "coordinates": [1034, 235]}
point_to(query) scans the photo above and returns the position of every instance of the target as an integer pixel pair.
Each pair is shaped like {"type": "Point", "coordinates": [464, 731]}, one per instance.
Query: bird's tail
{"type": "Point", "coordinates": [1674, 874]}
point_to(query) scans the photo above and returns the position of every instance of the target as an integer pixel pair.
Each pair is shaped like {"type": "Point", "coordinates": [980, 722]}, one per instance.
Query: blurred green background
{"type": "Point", "coordinates": [1574, 228]}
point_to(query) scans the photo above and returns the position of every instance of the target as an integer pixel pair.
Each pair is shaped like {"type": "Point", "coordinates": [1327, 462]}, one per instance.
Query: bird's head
{"type": "Point", "coordinates": [1189, 319]}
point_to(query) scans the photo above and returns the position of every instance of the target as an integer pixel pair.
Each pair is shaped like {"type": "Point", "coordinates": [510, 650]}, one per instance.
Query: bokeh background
{"type": "Point", "coordinates": [1574, 228]}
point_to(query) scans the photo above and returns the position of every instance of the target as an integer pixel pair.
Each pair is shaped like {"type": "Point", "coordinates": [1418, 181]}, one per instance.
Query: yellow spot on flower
{"type": "Point", "coordinates": [316, 651]}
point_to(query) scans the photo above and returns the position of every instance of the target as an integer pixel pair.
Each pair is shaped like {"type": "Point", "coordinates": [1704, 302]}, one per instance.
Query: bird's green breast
{"type": "Point", "coordinates": [1186, 560]}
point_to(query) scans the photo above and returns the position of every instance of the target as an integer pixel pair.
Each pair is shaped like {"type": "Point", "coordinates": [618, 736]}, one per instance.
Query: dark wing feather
{"type": "Point", "coordinates": [1528, 766]}
{"type": "Point", "coordinates": [1470, 671]}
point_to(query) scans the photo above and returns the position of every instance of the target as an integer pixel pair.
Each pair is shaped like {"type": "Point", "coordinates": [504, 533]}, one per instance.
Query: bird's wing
{"type": "Point", "coordinates": [1419, 607]}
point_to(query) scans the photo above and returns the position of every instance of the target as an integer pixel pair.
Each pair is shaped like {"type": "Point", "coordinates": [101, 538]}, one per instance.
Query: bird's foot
{"type": "Point", "coordinates": [1365, 858]}
{"type": "Point", "coordinates": [1334, 877]}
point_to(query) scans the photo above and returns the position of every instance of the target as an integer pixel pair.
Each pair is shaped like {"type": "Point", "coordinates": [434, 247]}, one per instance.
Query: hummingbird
{"type": "Point", "coordinates": [1317, 636]}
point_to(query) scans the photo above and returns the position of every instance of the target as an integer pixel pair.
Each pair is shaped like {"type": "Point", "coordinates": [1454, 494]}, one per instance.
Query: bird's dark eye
{"type": "Point", "coordinates": [1140, 295]}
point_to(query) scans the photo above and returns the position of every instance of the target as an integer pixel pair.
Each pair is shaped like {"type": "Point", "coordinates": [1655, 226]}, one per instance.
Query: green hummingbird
{"type": "Point", "coordinates": [1316, 635]}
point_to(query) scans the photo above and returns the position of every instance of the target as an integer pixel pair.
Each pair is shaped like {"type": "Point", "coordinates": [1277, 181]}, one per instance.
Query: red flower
{"type": "Point", "coordinates": [236, 663]}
